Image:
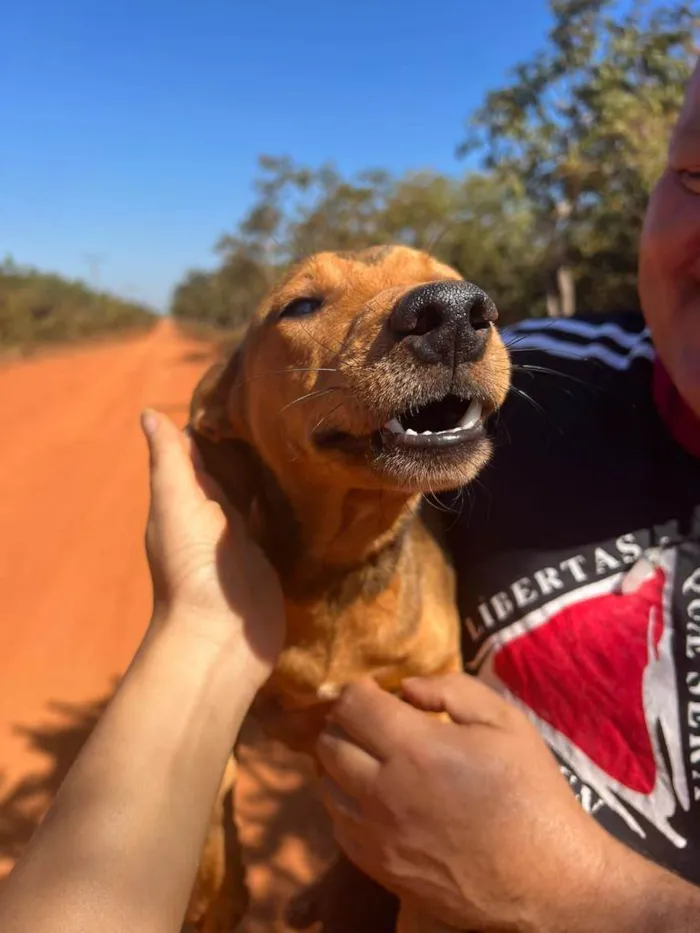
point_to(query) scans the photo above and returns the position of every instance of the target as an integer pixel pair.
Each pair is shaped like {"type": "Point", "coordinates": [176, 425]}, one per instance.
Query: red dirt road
{"type": "Point", "coordinates": [75, 596]}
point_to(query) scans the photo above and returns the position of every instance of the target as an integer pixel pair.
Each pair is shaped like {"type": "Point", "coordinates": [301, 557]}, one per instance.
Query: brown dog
{"type": "Point", "coordinates": [364, 381]}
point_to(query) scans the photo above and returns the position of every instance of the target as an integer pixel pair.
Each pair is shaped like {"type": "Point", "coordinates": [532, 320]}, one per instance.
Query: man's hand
{"type": "Point", "coordinates": [470, 821]}
{"type": "Point", "coordinates": [207, 573]}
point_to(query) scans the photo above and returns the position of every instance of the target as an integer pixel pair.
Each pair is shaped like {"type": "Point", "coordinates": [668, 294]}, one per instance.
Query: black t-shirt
{"type": "Point", "coordinates": [578, 558]}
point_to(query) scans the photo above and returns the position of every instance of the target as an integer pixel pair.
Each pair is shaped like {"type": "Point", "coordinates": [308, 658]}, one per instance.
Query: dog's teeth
{"type": "Point", "coordinates": [395, 426]}
{"type": "Point", "coordinates": [472, 416]}
{"type": "Point", "coordinates": [427, 432]}
{"type": "Point", "coordinates": [411, 431]}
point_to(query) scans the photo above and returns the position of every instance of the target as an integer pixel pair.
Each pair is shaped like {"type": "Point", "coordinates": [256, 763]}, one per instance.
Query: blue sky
{"type": "Point", "coordinates": [131, 129]}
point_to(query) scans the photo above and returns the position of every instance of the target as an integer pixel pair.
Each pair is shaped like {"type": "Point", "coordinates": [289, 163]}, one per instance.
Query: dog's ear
{"type": "Point", "coordinates": [216, 409]}
{"type": "Point", "coordinates": [219, 427]}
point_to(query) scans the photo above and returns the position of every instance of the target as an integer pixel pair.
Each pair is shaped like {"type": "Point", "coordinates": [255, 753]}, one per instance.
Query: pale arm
{"type": "Point", "coordinates": [120, 846]}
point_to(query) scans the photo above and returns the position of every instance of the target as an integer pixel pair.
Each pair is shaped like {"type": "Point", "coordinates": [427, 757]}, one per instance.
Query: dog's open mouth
{"type": "Point", "coordinates": [443, 423]}
{"type": "Point", "coordinates": [446, 422]}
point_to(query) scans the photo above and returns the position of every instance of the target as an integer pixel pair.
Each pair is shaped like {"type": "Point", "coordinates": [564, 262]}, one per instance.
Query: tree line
{"type": "Point", "coordinates": [567, 153]}
{"type": "Point", "coordinates": [38, 307]}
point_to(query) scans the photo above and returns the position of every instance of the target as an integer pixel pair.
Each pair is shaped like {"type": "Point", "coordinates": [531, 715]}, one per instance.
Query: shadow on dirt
{"type": "Point", "coordinates": [57, 741]}
{"type": "Point", "coordinates": [283, 826]}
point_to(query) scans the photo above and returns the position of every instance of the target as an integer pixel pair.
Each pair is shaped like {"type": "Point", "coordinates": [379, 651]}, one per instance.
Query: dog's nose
{"type": "Point", "coordinates": [444, 322]}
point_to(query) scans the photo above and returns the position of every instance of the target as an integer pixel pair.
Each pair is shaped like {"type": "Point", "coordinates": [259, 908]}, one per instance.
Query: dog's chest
{"type": "Point", "coordinates": [389, 621]}
{"type": "Point", "coordinates": [402, 632]}
{"type": "Point", "coordinates": [328, 648]}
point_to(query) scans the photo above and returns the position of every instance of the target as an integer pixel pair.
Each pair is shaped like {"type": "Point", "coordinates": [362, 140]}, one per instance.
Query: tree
{"type": "Point", "coordinates": [38, 307]}
{"type": "Point", "coordinates": [570, 149]}
{"type": "Point", "coordinates": [476, 224]}
{"type": "Point", "coordinates": [584, 128]}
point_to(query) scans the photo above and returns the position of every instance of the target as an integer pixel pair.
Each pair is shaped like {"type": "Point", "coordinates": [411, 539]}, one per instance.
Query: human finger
{"type": "Point", "coordinates": [377, 720]}
{"type": "Point", "coordinates": [350, 766]}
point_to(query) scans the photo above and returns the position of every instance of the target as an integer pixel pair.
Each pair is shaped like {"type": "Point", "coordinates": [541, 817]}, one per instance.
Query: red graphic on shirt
{"type": "Point", "coordinates": [583, 673]}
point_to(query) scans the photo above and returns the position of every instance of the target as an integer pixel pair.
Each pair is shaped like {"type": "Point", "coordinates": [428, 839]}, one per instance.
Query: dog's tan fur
{"type": "Point", "coordinates": [368, 590]}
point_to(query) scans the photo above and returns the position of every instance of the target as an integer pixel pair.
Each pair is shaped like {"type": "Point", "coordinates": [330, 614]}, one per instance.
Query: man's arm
{"type": "Point", "coordinates": [472, 822]}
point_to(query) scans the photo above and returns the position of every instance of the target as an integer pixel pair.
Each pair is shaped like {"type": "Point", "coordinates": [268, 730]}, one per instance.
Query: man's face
{"type": "Point", "coordinates": [669, 272]}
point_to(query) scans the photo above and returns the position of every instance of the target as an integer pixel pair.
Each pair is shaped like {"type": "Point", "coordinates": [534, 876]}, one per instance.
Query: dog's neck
{"type": "Point", "coordinates": [310, 531]}
{"type": "Point", "coordinates": [313, 529]}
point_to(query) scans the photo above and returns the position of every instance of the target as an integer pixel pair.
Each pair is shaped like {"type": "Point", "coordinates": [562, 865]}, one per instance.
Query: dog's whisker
{"type": "Point", "coordinates": [328, 414]}
{"type": "Point", "coordinates": [469, 492]}
{"type": "Point", "coordinates": [305, 369]}
{"type": "Point", "coordinates": [284, 372]}
{"type": "Point", "coordinates": [317, 393]}
{"type": "Point", "coordinates": [434, 502]}
{"type": "Point", "coordinates": [528, 398]}
{"type": "Point", "coordinates": [318, 341]}
{"type": "Point", "coordinates": [545, 370]}
{"type": "Point", "coordinates": [454, 508]}
{"type": "Point", "coordinates": [516, 340]}
{"type": "Point", "coordinates": [436, 239]}
{"type": "Point", "coordinates": [433, 498]}
{"type": "Point", "coordinates": [350, 357]}
{"type": "Point", "coordinates": [509, 437]}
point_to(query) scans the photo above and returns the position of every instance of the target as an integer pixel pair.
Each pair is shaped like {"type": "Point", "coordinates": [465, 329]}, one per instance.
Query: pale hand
{"type": "Point", "coordinates": [207, 573]}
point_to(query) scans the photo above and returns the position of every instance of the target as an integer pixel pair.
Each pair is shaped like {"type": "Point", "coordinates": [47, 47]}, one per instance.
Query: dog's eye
{"type": "Point", "coordinates": [301, 307]}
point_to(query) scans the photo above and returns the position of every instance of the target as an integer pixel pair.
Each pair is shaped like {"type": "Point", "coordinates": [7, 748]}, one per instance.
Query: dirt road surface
{"type": "Point", "coordinates": [75, 597]}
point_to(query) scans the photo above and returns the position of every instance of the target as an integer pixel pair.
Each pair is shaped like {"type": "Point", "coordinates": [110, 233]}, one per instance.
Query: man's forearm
{"type": "Point", "coordinates": [637, 896]}
{"type": "Point", "coordinates": [120, 847]}
{"type": "Point", "coordinates": [668, 904]}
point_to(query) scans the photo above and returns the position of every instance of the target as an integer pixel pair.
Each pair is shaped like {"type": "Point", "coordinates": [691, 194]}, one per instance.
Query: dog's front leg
{"type": "Point", "coordinates": [220, 897]}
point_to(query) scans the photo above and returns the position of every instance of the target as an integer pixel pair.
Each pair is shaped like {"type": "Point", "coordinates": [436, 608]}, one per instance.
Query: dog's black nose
{"type": "Point", "coordinates": [444, 322]}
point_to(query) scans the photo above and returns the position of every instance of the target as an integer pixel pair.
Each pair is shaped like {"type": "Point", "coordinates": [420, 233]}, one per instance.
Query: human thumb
{"type": "Point", "coordinates": [171, 469]}
{"type": "Point", "coordinates": [465, 699]}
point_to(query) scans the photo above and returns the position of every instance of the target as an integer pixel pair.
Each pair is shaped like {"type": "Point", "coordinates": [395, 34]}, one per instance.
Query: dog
{"type": "Point", "coordinates": [364, 382]}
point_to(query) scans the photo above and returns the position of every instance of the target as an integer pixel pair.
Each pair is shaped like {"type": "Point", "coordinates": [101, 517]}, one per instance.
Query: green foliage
{"type": "Point", "coordinates": [476, 224]}
{"type": "Point", "coordinates": [584, 129]}
{"type": "Point", "coordinates": [224, 298]}
{"type": "Point", "coordinates": [38, 308]}
{"type": "Point", "coordinates": [569, 149]}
